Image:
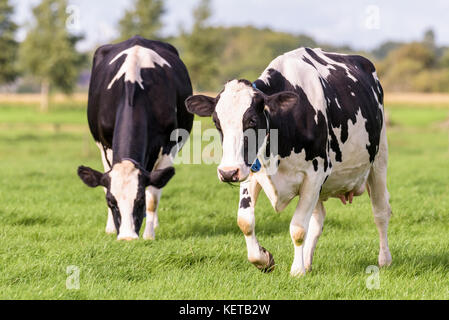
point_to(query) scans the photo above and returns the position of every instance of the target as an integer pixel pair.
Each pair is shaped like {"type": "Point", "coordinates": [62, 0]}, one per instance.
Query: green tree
{"type": "Point", "coordinates": [249, 50]}
{"type": "Point", "coordinates": [143, 20]}
{"type": "Point", "coordinates": [8, 45]}
{"type": "Point", "coordinates": [429, 39]}
{"type": "Point", "coordinates": [201, 49]}
{"type": "Point", "coordinates": [444, 61]}
{"type": "Point", "coordinates": [48, 52]}
{"type": "Point", "coordinates": [385, 48]}
{"type": "Point", "coordinates": [401, 69]}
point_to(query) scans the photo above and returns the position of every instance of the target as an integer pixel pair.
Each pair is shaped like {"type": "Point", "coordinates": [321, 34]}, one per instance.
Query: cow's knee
{"type": "Point", "coordinates": [298, 234]}
{"type": "Point", "coordinates": [245, 224]}
{"type": "Point", "coordinates": [152, 202]}
{"type": "Point", "coordinates": [152, 221]}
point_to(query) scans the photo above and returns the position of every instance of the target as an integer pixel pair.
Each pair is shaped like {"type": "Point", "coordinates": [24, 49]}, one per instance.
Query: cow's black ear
{"type": "Point", "coordinates": [159, 178]}
{"type": "Point", "coordinates": [92, 178]}
{"type": "Point", "coordinates": [283, 100]}
{"type": "Point", "coordinates": [200, 105]}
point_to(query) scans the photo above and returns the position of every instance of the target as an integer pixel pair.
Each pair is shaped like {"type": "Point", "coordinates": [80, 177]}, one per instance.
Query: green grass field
{"type": "Point", "coordinates": [49, 220]}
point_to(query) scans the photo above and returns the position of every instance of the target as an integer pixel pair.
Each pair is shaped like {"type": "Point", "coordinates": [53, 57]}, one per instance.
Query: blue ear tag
{"type": "Point", "coordinates": [256, 166]}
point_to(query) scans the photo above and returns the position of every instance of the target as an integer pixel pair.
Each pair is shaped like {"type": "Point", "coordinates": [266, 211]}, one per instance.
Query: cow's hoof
{"type": "Point", "coordinates": [148, 236]}
{"type": "Point", "coordinates": [297, 272]}
{"type": "Point", "coordinates": [385, 259]}
{"type": "Point", "coordinates": [110, 230]}
{"type": "Point", "coordinates": [271, 264]}
{"type": "Point", "coordinates": [266, 264]}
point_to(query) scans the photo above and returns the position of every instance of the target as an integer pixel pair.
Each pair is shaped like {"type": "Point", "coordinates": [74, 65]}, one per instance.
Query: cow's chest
{"type": "Point", "coordinates": [284, 184]}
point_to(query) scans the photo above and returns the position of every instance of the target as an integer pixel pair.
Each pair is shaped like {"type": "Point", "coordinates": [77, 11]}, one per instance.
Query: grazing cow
{"type": "Point", "coordinates": [136, 100]}
{"type": "Point", "coordinates": [327, 109]}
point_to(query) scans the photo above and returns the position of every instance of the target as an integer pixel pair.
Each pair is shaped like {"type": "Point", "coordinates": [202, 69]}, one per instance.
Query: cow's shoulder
{"type": "Point", "coordinates": [360, 63]}
{"type": "Point", "coordinates": [101, 53]}
{"type": "Point", "coordinates": [154, 45]}
{"type": "Point", "coordinates": [109, 51]}
{"type": "Point", "coordinates": [353, 94]}
{"type": "Point", "coordinates": [292, 72]}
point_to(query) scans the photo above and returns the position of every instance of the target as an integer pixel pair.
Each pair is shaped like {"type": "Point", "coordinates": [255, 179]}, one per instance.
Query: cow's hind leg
{"type": "Point", "coordinates": [377, 183]}
{"type": "Point", "coordinates": [313, 234]}
{"type": "Point", "coordinates": [308, 199]}
{"type": "Point", "coordinates": [257, 255]}
{"type": "Point", "coordinates": [110, 226]}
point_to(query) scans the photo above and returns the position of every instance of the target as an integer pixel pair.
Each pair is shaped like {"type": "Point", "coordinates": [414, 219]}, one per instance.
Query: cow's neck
{"type": "Point", "coordinates": [300, 127]}
{"type": "Point", "coordinates": [131, 134]}
{"type": "Point", "coordinates": [286, 134]}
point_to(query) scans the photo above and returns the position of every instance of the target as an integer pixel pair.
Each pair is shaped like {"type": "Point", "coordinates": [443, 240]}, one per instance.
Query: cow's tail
{"type": "Point", "coordinates": [130, 92]}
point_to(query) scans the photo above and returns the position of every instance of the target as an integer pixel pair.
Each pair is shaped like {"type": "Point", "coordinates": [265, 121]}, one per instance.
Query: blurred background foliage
{"type": "Point", "coordinates": [47, 60]}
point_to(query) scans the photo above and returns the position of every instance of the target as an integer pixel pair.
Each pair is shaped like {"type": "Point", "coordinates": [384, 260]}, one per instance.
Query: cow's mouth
{"type": "Point", "coordinates": [233, 174]}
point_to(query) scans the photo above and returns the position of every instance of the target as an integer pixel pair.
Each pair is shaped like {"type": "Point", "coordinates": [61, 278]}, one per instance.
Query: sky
{"type": "Point", "coordinates": [362, 24]}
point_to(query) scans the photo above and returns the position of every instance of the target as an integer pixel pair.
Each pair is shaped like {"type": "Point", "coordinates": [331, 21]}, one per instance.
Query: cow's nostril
{"type": "Point", "coordinates": [229, 175]}
{"type": "Point", "coordinates": [235, 177]}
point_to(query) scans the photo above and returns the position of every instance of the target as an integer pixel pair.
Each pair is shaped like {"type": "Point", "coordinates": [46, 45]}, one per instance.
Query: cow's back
{"type": "Point", "coordinates": [160, 80]}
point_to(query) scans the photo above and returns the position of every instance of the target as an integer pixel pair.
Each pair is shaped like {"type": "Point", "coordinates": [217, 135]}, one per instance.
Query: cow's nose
{"type": "Point", "coordinates": [229, 175]}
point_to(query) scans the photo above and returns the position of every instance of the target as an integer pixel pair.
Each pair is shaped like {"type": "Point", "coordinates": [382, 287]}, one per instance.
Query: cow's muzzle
{"type": "Point", "coordinates": [229, 174]}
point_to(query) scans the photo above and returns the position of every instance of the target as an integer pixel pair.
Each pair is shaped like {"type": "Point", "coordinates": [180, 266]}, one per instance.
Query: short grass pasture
{"type": "Point", "coordinates": [49, 221]}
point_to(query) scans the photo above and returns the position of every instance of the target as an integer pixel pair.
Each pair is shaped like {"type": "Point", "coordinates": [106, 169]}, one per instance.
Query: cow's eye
{"type": "Point", "coordinates": [252, 123]}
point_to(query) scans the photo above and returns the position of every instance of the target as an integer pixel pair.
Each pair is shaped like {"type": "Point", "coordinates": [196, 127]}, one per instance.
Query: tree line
{"type": "Point", "coordinates": [213, 55]}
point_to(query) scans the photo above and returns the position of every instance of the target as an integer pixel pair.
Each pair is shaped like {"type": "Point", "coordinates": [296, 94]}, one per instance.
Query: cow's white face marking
{"type": "Point", "coordinates": [124, 186]}
{"type": "Point", "coordinates": [137, 58]}
{"type": "Point", "coordinates": [234, 101]}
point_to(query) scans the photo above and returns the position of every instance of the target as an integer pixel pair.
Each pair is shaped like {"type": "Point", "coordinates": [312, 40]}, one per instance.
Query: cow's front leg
{"type": "Point", "coordinates": [153, 196]}
{"type": "Point", "coordinates": [308, 200]}
{"type": "Point", "coordinates": [313, 234]}
{"type": "Point", "coordinates": [110, 226]}
{"type": "Point", "coordinates": [257, 255]}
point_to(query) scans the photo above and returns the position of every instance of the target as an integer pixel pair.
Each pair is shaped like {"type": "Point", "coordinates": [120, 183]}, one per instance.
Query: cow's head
{"type": "Point", "coordinates": [238, 108]}
{"type": "Point", "coordinates": [125, 196]}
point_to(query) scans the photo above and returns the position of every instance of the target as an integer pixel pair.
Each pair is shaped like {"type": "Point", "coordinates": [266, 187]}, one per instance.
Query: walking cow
{"type": "Point", "coordinates": [327, 109]}
{"type": "Point", "coordinates": [136, 100]}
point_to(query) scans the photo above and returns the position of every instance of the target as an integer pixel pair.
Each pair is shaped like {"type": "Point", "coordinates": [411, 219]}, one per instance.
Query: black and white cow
{"type": "Point", "coordinates": [136, 100]}
{"type": "Point", "coordinates": [327, 109]}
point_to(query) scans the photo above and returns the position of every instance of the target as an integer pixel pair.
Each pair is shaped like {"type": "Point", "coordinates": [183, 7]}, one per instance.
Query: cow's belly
{"type": "Point", "coordinates": [346, 179]}
{"type": "Point", "coordinates": [284, 185]}
{"type": "Point", "coordinates": [350, 174]}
